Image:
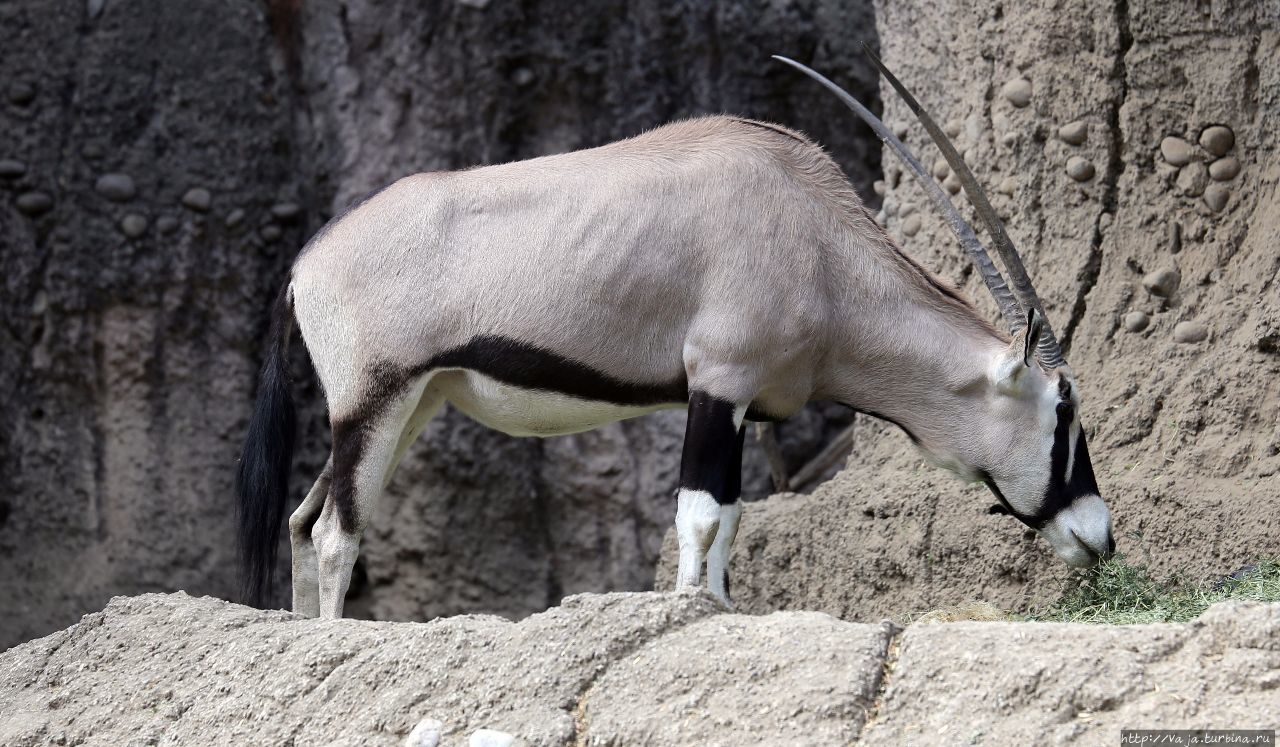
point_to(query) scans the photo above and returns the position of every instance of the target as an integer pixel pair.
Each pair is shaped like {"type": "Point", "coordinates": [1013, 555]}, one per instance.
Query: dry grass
{"type": "Point", "coordinates": [1118, 593]}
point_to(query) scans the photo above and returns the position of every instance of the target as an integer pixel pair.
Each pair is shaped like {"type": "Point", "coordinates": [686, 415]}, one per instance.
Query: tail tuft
{"type": "Point", "coordinates": [262, 482]}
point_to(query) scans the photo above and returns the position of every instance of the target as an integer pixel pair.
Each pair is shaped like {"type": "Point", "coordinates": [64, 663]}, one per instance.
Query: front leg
{"type": "Point", "coordinates": [710, 484]}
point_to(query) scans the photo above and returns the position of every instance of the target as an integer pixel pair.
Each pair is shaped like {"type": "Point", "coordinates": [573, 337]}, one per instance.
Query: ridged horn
{"type": "Point", "coordinates": [1009, 307]}
{"type": "Point", "coordinates": [1050, 353]}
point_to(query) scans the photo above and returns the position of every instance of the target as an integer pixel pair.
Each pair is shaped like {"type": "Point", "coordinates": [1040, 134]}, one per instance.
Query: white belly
{"type": "Point", "coordinates": [530, 412]}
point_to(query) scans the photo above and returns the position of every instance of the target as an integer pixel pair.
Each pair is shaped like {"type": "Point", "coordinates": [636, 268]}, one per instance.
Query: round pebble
{"type": "Point", "coordinates": [1162, 282]}
{"type": "Point", "coordinates": [1136, 321]}
{"type": "Point", "coordinates": [951, 183]}
{"type": "Point", "coordinates": [22, 93]}
{"type": "Point", "coordinates": [234, 218]}
{"type": "Point", "coordinates": [878, 187]}
{"type": "Point", "coordinates": [911, 226]}
{"type": "Point", "coordinates": [34, 203]}
{"type": "Point", "coordinates": [941, 168]}
{"type": "Point", "coordinates": [1007, 186]}
{"type": "Point", "coordinates": [1176, 151]}
{"type": "Point", "coordinates": [167, 224]}
{"type": "Point", "coordinates": [900, 130]}
{"type": "Point", "coordinates": [1217, 140]}
{"type": "Point", "coordinates": [286, 211]}
{"type": "Point", "coordinates": [1224, 169]}
{"type": "Point", "coordinates": [906, 209]}
{"type": "Point", "coordinates": [880, 219]}
{"type": "Point", "coordinates": [1190, 332]}
{"type": "Point", "coordinates": [1216, 197]}
{"type": "Point", "coordinates": [1017, 92]}
{"type": "Point", "coordinates": [1192, 179]}
{"type": "Point", "coordinates": [116, 187]}
{"type": "Point", "coordinates": [1079, 169]}
{"type": "Point", "coordinates": [198, 199]}
{"type": "Point", "coordinates": [10, 169]}
{"type": "Point", "coordinates": [1074, 133]}
{"type": "Point", "coordinates": [133, 225]}
{"type": "Point", "coordinates": [953, 129]}
{"type": "Point", "coordinates": [95, 7]}
{"type": "Point", "coordinates": [1010, 139]}
{"type": "Point", "coordinates": [271, 232]}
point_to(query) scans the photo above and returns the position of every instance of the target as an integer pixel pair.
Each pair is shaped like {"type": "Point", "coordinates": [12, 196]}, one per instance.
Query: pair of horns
{"type": "Point", "coordinates": [1014, 304]}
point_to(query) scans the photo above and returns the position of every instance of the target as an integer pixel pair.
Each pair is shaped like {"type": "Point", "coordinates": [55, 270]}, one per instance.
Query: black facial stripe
{"type": "Point", "coordinates": [712, 457]}
{"type": "Point", "coordinates": [530, 367]}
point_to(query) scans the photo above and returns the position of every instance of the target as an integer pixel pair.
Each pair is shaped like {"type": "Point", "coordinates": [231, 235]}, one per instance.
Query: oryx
{"type": "Point", "coordinates": [720, 264]}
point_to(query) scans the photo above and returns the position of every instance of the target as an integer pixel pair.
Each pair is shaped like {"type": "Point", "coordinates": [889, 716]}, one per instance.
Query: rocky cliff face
{"type": "Point", "coordinates": [162, 163]}
{"type": "Point", "coordinates": [1131, 148]}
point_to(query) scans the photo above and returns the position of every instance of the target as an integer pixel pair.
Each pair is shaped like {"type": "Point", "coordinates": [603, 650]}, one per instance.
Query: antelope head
{"type": "Point", "coordinates": [1036, 461]}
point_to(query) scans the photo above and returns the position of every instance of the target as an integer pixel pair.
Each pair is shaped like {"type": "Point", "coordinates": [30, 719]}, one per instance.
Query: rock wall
{"type": "Point", "coordinates": [1132, 149]}
{"type": "Point", "coordinates": [163, 160]}
{"type": "Point", "coordinates": [625, 669]}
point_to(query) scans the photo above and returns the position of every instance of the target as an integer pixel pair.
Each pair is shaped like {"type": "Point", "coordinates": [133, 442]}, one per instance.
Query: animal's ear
{"type": "Point", "coordinates": [1020, 356]}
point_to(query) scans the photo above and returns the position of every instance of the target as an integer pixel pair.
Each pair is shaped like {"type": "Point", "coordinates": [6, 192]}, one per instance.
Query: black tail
{"type": "Point", "coordinates": [263, 480]}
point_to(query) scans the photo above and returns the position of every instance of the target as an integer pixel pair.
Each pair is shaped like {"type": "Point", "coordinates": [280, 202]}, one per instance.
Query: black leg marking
{"type": "Point", "coordinates": [712, 448]}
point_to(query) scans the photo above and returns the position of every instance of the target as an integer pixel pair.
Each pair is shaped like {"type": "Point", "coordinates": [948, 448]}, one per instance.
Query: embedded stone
{"type": "Point", "coordinates": [22, 93]}
{"type": "Point", "coordinates": [133, 225]}
{"type": "Point", "coordinates": [116, 187]}
{"type": "Point", "coordinates": [1176, 151]}
{"type": "Point", "coordinates": [522, 77]}
{"type": "Point", "coordinates": [1136, 321]}
{"type": "Point", "coordinates": [1216, 197]}
{"type": "Point", "coordinates": [34, 203]}
{"type": "Point", "coordinates": [911, 226]}
{"type": "Point", "coordinates": [953, 128]}
{"type": "Point", "coordinates": [1007, 186]}
{"type": "Point", "coordinates": [1224, 169]}
{"type": "Point", "coordinates": [941, 168]}
{"type": "Point", "coordinates": [1190, 332]}
{"type": "Point", "coordinates": [1217, 140]}
{"type": "Point", "coordinates": [1018, 92]}
{"type": "Point", "coordinates": [167, 224]}
{"type": "Point", "coordinates": [906, 209]}
{"type": "Point", "coordinates": [234, 218]}
{"type": "Point", "coordinates": [286, 211]}
{"type": "Point", "coordinates": [1010, 139]}
{"type": "Point", "coordinates": [1192, 179]}
{"type": "Point", "coordinates": [1079, 169]}
{"type": "Point", "coordinates": [425, 734]}
{"type": "Point", "coordinates": [198, 199]}
{"type": "Point", "coordinates": [900, 130]}
{"type": "Point", "coordinates": [1074, 133]}
{"type": "Point", "coordinates": [490, 738]}
{"type": "Point", "coordinates": [878, 186]}
{"type": "Point", "coordinates": [951, 183]}
{"type": "Point", "coordinates": [1162, 282]}
{"type": "Point", "coordinates": [271, 232]}
{"type": "Point", "coordinates": [11, 169]}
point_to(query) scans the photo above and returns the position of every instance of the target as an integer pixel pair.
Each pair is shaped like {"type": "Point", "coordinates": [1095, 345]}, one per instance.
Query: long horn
{"type": "Point", "coordinates": [1009, 307]}
{"type": "Point", "coordinates": [1050, 351]}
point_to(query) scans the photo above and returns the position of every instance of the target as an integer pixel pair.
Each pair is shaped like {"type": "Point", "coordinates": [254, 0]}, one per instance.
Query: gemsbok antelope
{"type": "Point", "coordinates": [719, 264]}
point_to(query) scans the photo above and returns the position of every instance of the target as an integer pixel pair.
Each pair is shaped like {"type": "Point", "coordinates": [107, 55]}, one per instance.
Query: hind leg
{"type": "Point", "coordinates": [366, 448]}
{"type": "Point", "coordinates": [306, 586]}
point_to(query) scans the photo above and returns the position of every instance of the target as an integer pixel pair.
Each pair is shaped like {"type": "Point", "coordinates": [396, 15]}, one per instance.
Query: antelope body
{"type": "Point", "coordinates": [718, 264]}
